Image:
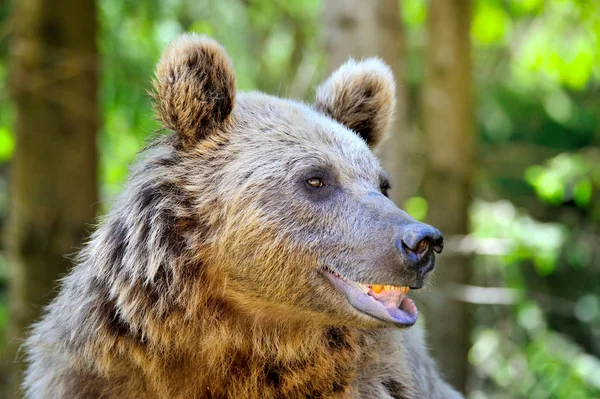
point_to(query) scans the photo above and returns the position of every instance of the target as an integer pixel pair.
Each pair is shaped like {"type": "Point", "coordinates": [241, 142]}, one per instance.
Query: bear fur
{"type": "Point", "coordinates": [205, 279]}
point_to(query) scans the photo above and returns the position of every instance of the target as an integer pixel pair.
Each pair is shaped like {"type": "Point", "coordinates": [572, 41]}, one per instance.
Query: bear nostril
{"type": "Point", "coordinates": [419, 240]}
{"type": "Point", "coordinates": [438, 245]}
{"type": "Point", "coordinates": [420, 249]}
{"type": "Point", "coordinates": [422, 246]}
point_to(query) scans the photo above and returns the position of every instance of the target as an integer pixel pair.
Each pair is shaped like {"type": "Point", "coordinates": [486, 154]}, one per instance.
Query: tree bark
{"type": "Point", "coordinates": [53, 179]}
{"type": "Point", "coordinates": [449, 129]}
{"type": "Point", "coordinates": [359, 29]}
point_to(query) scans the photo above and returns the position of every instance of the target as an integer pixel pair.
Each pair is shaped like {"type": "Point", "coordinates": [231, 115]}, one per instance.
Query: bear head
{"type": "Point", "coordinates": [296, 222]}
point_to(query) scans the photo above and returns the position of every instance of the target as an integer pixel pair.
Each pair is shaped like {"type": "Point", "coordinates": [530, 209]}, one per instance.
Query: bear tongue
{"type": "Point", "coordinates": [389, 299]}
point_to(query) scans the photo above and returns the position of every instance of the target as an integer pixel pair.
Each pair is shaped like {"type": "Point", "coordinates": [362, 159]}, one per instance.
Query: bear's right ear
{"type": "Point", "coordinates": [194, 89]}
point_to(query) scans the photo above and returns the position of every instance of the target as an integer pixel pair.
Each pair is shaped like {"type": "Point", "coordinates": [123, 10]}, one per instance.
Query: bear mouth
{"type": "Point", "coordinates": [387, 303]}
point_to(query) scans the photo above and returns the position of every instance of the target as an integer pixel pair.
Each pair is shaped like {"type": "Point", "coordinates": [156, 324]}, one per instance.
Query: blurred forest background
{"type": "Point", "coordinates": [497, 142]}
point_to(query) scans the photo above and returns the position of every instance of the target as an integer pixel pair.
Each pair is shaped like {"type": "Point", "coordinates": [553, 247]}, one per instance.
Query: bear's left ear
{"type": "Point", "coordinates": [361, 96]}
{"type": "Point", "coordinates": [194, 89]}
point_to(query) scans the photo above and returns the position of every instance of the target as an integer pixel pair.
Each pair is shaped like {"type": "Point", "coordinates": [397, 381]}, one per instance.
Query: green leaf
{"type": "Point", "coordinates": [414, 12]}
{"type": "Point", "coordinates": [577, 72]}
{"type": "Point", "coordinates": [582, 193]}
{"type": "Point", "coordinates": [527, 6]}
{"type": "Point", "coordinates": [490, 23]}
{"type": "Point", "coordinates": [7, 144]}
{"type": "Point", "coordinates": [416, 207]}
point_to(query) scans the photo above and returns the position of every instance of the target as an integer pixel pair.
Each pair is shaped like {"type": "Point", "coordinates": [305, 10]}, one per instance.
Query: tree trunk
{"type": "Point", "coordinates": [449, 130]}
{"type": "Point", "coordinates": [359, 29]}
{"type": "Point", "coordinates": [53, 178]}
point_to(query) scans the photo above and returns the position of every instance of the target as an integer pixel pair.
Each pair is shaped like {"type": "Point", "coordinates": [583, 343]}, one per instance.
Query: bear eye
{"type": "Point", "coordinates": [385, 187]}
{"type": "Point", "coordinates": [315, 182]}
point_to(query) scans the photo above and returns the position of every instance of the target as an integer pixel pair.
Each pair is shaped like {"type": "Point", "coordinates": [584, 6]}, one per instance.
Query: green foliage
{"type": "Point", "coordinates": [520, 351]}
{"type": "Point", "coordinates": [413, 12]}
{"type": "Point", "coordinates": [561, 46]}
{"type": "Point", "coordinates": [537, 74]}
{"type": "Point", "coordinates": [7, 143]}
{"type": "Point", "coordinates": [416, 207]}
{"type": "Point", "coordinates": [490, 23]}
{"type": "Point", "coordinates": [547, 366]}
{"type": "Point", "coordinates": [536, 214]}
{"type": "Point", "coordinates": [524, 238]}
{"type": "Point", "coordinates": [566, 177]}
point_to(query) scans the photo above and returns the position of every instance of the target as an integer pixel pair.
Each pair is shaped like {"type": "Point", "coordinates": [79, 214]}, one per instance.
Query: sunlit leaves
{"type": "Point", "coordinates": [416, 207]}
{"type": "Point", "coordinates": [526, 7]}
{"type": "Point", "coordinates": [130, 41]}
{"type": "Point", "coordinates": [559, 106]}
{"type": "Point", "coordinates": [560, 46]}
{"type": "Point", "coordinates": [587, 308]}
{"type": "Point", "coordinates": [582, 192]}
{"type": "Point", "coordinates": [485, 346]}
{"type": "Point", "coordinates": [588, 368]}
{"type": "Point", "coordinates": [564, 178]}
{"type": "Point", "coordinates": [7, 144]}
{"type": "Point", "coordinates": [531, 317]}
{"type": "Point", "coordinates": [527, 239]}
{"type": "Point", "coordinates": [414, 12]}
{"type": "Point", "coordinates": [490, 22]}
{"type": "Point", "coordinates": [546, 365]}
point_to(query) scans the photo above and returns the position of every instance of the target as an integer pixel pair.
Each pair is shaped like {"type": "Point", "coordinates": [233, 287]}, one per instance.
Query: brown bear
{"type": "Point", "coordinates": [253, 253]}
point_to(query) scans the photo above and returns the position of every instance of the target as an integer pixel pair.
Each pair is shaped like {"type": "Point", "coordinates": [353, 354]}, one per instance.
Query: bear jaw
{"type": "Point", "coordinates": [383, 302]}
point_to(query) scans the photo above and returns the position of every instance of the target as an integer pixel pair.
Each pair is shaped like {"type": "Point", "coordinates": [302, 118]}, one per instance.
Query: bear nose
{"type": "Point", "coordinates": [417, 241]}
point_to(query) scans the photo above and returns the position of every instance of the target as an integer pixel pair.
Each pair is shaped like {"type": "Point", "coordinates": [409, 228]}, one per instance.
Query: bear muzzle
{"type": "Point", "coordinates": [414, 246]}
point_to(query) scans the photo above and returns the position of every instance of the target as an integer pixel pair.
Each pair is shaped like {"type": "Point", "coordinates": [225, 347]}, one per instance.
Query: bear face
{"type": "Point", "coordinates": [301, 226]}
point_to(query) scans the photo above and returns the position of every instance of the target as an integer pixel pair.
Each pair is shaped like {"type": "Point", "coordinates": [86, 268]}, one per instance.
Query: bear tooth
{"type": "Point", "coordinates": [377, 288]}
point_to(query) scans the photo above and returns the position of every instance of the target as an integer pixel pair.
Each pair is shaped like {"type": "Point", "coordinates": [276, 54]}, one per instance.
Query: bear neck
{"type": "Point", "coordinates": [212, 344]}
{"type": "Point", "coordinates": [271, 359]}
{"type": "Point", "coordinates": [234, 356]}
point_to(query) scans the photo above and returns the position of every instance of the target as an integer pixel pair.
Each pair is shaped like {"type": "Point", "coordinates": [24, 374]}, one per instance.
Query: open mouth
{"type": "Point", "coordinates": [384, 302]}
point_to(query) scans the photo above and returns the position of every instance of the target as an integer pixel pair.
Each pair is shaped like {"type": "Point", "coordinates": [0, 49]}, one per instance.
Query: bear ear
{"type": "Point", "coordinates": [194, 89]}
{"type": "Point", "coordinates": [362, 96]}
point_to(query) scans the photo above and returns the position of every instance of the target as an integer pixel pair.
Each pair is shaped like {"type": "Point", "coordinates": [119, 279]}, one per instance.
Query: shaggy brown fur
{"type": "Point", "coordinates": [194, 88]}
{"type": "Point", "coordinates": [205, 279]}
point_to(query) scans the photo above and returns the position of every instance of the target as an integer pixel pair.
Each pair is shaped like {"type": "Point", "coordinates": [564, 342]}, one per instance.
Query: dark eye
{"type": "Point", "coordinates": [385, 188]}
{"type": "Point", "coordinates": [315, 182]}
